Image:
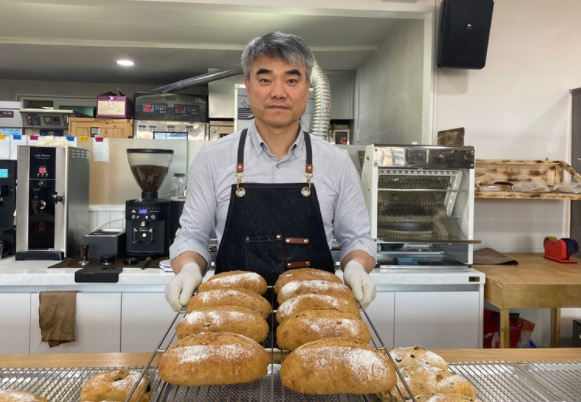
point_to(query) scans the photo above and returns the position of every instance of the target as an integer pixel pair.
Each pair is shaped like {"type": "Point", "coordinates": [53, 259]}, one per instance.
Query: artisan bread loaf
{"type": "Point", "coordinates": [311, 301]}
{"type": "Point", "coordinates": [445, 398]}
{"type": "Point", "coordinates": [213, 359]}
{"type": "Point", "coordinates": [337, 366]}
{"type": "Point", "coordinates": [114, 386]}
{"type": "Point", "coordinates": [416, 356]}
{"type": "Point", "coordinates": [231, 297]}
{"type": "Point", "coordinates": [426, 380]}
{"type": "Point", "coordinates": [238, 320]}
{"type": "Point", "coordinates": [235, 280]}
{"type": "Point", "coordinates": [311, 325]}
{"type": "Point", "coordinates": [297, 288]}
{"type": "Point", "coordinates": [20, 396]}
{"type": "Point", "coordinates": [304, 274]}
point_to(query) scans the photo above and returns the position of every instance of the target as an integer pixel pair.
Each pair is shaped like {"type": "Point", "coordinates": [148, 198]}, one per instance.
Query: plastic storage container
{"type": "Point", "coordinates": [178, 185]}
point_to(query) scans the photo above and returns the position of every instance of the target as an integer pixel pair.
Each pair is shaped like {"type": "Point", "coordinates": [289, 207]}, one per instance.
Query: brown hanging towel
{"type": "Point", "coordinates": [57, 317]}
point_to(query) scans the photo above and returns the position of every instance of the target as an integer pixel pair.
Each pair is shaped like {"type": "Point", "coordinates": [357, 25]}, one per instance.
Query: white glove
{"type": "Point", "coordinates": [360, 283]}
{"type": "Point", "coordinates": [180, 289]}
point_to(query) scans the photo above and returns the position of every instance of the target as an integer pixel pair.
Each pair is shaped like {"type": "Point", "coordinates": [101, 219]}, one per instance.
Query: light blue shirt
{"type": "Point", "coordinates": [212, 175]}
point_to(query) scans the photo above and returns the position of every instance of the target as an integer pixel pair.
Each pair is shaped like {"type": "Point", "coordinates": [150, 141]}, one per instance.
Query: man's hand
{"type": "Point", "coordinates": [360, 283]}
{"type": "Point", "coordinates": [180, 289]}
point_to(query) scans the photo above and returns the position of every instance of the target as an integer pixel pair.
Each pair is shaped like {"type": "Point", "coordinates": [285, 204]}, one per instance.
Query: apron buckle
{"type": "Point", "coordinates": [240, 191]}
{"type": "Point", "coordinates": [306, 191]}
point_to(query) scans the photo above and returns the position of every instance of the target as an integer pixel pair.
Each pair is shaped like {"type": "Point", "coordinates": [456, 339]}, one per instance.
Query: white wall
{"type": "Point", "coordinates": [391, 88]}
{"type": "Point", "coordinates": [518, 106]}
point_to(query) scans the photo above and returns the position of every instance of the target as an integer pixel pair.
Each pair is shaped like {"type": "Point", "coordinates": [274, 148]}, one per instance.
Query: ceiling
{"type": "Point", "coordinates": [80, 41]}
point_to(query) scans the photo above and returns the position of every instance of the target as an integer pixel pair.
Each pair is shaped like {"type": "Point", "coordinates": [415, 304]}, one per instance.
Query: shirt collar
{"type": "Point", "coordinates": [260, 146]}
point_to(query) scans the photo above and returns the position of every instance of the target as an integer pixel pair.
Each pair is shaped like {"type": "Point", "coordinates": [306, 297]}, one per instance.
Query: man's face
{"type": "Point", "coordinates": [277, 91]}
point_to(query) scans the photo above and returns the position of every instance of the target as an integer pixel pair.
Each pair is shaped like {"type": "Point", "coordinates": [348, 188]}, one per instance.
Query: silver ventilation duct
{"type": "Point", "coordinates": [319, 82]}
{"type": "Point", "coordinates": [322, 115]}
{"type": "Point", "coordinates": [195, 81]}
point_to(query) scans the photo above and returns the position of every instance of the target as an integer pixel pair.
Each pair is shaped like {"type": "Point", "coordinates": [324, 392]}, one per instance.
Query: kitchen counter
{"type": "Point", "coordinates": [36, 276]}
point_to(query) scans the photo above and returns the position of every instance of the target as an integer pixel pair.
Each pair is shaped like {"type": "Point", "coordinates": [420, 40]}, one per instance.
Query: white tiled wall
{"type": "Point", "coordinates": [110, 216]}
{"type": "Point", "coordinates": [390, 88]}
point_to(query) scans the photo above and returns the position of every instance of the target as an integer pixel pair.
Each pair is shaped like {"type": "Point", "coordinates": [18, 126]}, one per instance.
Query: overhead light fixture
{"type": "Point", "coordinates": [125, 63]}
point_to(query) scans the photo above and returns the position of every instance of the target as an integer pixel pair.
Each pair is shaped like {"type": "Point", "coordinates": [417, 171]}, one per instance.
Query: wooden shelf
{"type": "Point", "coordinates": [526, 196]}
{"type": "Point", "coordinates": [491, 171]}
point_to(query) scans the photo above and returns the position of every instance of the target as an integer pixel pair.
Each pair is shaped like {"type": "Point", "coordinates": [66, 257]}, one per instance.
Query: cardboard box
{"type": "Point", "coordinates": [114, 106]}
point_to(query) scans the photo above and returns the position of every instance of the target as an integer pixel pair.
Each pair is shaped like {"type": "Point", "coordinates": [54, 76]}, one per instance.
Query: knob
{"type": "Point", "coordinates": [56, 198]}
{"type": "Point", "coordinates": [153, 217]}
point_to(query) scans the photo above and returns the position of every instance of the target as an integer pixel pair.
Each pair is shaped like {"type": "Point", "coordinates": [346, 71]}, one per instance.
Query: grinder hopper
{"type": "Point", "coordinates": [149, 168]}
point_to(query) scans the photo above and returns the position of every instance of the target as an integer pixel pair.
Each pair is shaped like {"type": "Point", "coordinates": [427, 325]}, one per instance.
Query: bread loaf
{"type": "Point", "coordinates": [416, 356]}
{"type": "Point", "coordinates": [304, 274]}
{"type": "Point", "coordinates": [213, 359]}
{"type": "Point", "coordinates": [445, 398]}
{"type": "Point", "coordinates": [235, 280]}
{"type": "Point", "coordinates": [337, 366]}
{"type": "Point", "coordinates": [238, 320]}
{"type": "Point", "coordinates": [311, 301]}
{"type": "Point", "coordinates": [20, 396]}
{"type": "Point", "coordinates": [231, 297]}
{"type": "Point", "coordinates": [426, 380]}
{"type": "Point", "coordinates": [297, 288]}
{"type": "Point", "coordinates": [114, 386]}
{"type": "Point", "coordinates": [311, 325]}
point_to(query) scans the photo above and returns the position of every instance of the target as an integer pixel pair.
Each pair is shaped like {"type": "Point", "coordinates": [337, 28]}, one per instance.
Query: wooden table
{"type": "Point", "coordinates": [535, 283]}
{"type": "Point", "coordinates": [74, 360]}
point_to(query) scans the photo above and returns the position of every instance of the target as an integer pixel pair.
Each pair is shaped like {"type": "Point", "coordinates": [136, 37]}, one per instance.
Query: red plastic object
{"type": "Point", "coordinates": [557, 251]}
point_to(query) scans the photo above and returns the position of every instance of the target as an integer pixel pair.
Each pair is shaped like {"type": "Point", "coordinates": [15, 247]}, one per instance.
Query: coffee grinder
{"type": "Point", "coordinates": [148, 218]}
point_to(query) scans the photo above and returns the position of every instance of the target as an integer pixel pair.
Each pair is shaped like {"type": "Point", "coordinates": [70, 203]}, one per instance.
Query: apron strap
{"type": "Point", "coordinates": [242, 142]}
{"type": "Point", "coordinates": [240, 159]}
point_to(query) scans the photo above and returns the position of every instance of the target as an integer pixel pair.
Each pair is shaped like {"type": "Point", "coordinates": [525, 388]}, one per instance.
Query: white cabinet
{"type": "Point", "coordinates": [146, 318]}
{"type": "Point", "coordinates": [97, 329]}
{"type": "Point", "coordinates": [221, 97]}
{"type": "Point", "coordinates": [15, 319]}
{"type": "Point", "coordinates": [382, 312]}
{"type": "Point", "coordinates": [437, 320]}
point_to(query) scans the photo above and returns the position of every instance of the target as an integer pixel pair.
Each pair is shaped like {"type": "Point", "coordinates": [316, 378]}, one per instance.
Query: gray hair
{"type": "Point", "coordinates": [289, 47]}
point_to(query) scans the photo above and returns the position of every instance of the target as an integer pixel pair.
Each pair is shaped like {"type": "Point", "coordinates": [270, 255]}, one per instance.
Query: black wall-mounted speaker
{"type": "Point", "coordinates": [464, 32]}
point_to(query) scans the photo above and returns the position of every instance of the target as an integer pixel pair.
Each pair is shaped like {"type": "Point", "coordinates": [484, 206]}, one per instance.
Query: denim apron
{"type": "Point", "coordinates": [271, 228]}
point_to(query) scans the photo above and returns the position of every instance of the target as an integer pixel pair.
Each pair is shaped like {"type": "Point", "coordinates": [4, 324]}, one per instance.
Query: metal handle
{"type": "Point", "coordinates": [56, 198]}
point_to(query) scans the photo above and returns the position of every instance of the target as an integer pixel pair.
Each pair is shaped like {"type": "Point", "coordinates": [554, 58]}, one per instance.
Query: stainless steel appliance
{"type": "Point", "coordinates": [219, 129]}
{"type": "Point", "coordinates": [7, 207]}
{"type": "Point", "coordinates": [52, 202]}
{"type": "Point", "coordinates": [47, 121]}
{"type": "Point", "coordinates": [10, 120]}
{"type": "Point", "coordinates": [171, 107]}
{"type": "Point", "coordinates": [158, 129]}
{"type": "Point", "coordinates": [420, 201]}
{"type": "Point", "coordinates": [147, 219]}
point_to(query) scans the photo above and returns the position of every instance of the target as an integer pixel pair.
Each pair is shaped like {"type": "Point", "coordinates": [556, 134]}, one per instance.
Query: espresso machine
{"type": "Point", "coordinates": [148, 219]}
{"type": "Point", "coordinates": [52, 202]}
{"type": "Point", "coordinates": [7, 207]}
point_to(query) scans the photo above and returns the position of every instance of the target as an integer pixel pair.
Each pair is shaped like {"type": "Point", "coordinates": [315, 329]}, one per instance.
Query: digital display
{"type": "Point", "coordinates": [42, 169]}
{"type": "Point", "coordinates": [154, 108]}
{"type": "Point", "coordinates": [186, 109]}
{"type": "Point", "coordinates": [3, 173]}
{"type": "Point", "coordinates": [6, 113]}
{"type": "Point", "coordinates": [143, 211]}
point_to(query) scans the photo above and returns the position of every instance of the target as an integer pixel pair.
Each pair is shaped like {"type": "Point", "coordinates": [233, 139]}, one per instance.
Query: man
{"type": "Point", "coordinates": [273, 194]}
